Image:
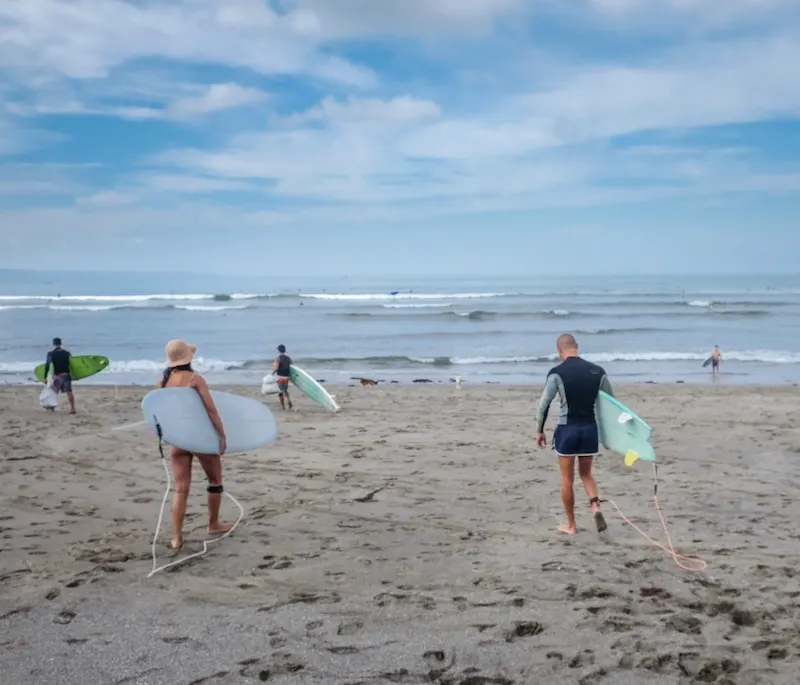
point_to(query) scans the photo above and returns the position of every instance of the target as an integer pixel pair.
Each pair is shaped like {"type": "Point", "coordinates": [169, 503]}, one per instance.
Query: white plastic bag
{"type": "Point", "coordinates": [48, 398]}
{"type": "Point", "coordinates": [269, 385]}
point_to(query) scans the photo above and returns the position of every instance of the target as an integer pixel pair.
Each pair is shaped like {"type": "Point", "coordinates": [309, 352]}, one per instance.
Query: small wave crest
{"type": "Point", "coordinates": [176, 297]}
{"type": "Point", "coordinates": [361, 297]}
{"type": "Point", "coordinates": [205, 365]}
{"type": "Point", "coordinates": [124, 307]}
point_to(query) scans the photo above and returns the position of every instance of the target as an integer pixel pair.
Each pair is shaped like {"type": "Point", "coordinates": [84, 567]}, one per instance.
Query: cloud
{"type": "Point", "coordinates": [313, 112]}
{"type": "Point", "coordinates": [398, 109]}
{"type": "Point", "coordinates": [216, 97]}
{"type": "Point", "coordinates": [16, 138]}
{"type": "Point", "coordinates": [405, 148]}
{"type": "Point", "coordinates": [25, 180]}
{"type": "Point", "coordinates": [86, 39]}
{"type": "Point", "coordinates": [357, 18]}
{"type": "Point", "coordinates": [709, 13]}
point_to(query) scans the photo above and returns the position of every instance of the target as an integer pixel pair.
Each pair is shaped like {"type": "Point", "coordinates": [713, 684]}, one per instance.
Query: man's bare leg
{"type": "Point", "coordinates": [590, 485]}
{"type": "Point", "coordinates": [280, 397]}
{"type": "Point", "coordinates": [288, 399]}
{"type": "Point", "coordinates": [567, 466]}
{"type": "Point", "coordinates": [71, 398]}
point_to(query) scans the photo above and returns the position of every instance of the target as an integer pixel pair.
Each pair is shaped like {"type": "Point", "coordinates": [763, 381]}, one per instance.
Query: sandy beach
{"type": "Point", "coordinates": [450, 573]}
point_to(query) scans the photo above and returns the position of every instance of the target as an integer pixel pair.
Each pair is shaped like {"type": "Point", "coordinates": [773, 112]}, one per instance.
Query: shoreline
{"type": "Point", "coordinates": [215, 380]}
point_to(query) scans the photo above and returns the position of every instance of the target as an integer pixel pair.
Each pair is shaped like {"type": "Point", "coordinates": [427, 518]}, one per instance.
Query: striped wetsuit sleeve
{"type": "Point", "coordinates": [548, 395]}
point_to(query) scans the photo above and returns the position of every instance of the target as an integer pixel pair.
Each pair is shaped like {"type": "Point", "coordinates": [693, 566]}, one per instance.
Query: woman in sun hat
{"type": "Point", "coordinates": [179, 374]}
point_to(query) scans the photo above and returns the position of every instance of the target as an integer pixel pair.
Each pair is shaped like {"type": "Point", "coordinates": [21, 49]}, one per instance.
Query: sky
{"type": "Point", "coordinates": [361, 137]}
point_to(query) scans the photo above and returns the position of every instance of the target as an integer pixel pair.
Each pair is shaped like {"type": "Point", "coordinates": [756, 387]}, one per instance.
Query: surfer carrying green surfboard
{"type": "Point", "coordinates": [578, 383]}
{"type": "Point", "coordinates": [59, 358]}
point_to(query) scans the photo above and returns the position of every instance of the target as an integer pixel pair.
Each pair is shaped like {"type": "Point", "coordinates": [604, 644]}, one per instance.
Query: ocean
{"type": "Point", "coordinates": [405, 329]}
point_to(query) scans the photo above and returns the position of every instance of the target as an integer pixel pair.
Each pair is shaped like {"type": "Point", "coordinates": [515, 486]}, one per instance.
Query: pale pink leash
{"type": "Point", "coordinates": [692, 564]}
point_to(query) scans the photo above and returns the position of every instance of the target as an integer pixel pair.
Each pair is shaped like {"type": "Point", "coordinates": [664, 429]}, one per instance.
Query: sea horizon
{"type": "Point", "coordinates": [405, 329]}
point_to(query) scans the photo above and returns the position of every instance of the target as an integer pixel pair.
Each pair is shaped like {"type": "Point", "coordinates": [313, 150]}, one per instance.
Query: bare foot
{"type": "Point", "coordinates": [567, 530]}
{"type": "Point", "coordinates": [219, 528]}
{"type": "Point", "coordinates": [176, 543]}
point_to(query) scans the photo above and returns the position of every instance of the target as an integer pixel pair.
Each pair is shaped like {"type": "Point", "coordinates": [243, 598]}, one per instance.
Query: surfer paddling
{"type": "Point", "coordinates": [577, 382]}
{"type": "Point", "coordinates": [59, 358]}
{"type": "Point", "coordinates": [282, 368]}
{"type": "Point", "coordinates": [179, 374]}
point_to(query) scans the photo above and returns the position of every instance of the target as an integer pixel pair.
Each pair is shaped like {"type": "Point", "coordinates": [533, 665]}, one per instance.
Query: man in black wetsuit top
{"type": "Point", "coordinates": [577, 382]}
{"type": "Point", "coordinates": [59, 358]}
{"type": "Point", "coordinates": [282, 368]}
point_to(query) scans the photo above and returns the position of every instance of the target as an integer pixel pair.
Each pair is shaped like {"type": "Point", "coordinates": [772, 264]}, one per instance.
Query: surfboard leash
{"type": "Point", "coordinates": [206, 543]}
{"type": "Point", "coordinates": [691, 564]}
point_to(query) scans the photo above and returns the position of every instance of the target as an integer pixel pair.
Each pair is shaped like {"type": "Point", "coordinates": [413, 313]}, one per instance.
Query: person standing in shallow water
{"type": "Point", "coordinates": [716, 356]}
{"type": "Point", "coordinates": [282, 368]}
{"type": "Point", "coordinates": [179, 374]}
{"type": "Point", "coordinates": [577, 382]}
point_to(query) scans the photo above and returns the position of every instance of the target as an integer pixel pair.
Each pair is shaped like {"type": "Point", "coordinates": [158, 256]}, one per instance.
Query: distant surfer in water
{"type": "Point", "coordinates": [282, 368]}
{"type": "Point", "coordinates": [716, 356]}
{"type": "Point", "coordinates": [59, 358]}
{"type": "Point", "coordinates": [577, 382]}
{"type": "Point", "coordinates": [179, 374]}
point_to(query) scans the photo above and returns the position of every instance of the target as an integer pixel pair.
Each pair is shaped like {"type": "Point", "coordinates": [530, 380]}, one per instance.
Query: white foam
{"type": "Point", "coordinates": [400, 296]}
{"type": "Point", "coordinates": [201, 364]}
{"type": "Point", "coordinates": [127, 298]}
{"type": "Point", "coordinates": [204, 365]}
{"type": "Point", "coordinates": [417, 306]}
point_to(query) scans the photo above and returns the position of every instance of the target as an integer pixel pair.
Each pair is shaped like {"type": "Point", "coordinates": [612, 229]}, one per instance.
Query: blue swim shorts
{"type": "Point", "coordinates": [580, 439]}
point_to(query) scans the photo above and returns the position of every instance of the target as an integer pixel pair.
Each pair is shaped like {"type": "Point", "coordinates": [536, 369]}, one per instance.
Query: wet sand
{"type": "Point", "coordinates": [450, 573]}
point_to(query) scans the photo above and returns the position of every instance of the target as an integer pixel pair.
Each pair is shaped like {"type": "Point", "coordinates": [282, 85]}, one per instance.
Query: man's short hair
{"type": "Point", "coordinates": [566, 341]}
{"type": "Point", "coordinates": [57, 342]}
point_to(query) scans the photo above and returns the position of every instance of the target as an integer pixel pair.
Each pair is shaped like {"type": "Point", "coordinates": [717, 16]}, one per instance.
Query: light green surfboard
{"type": "Point", "coordinates": [313, 390]}
{"type": "Point", "coordinates": [623, 432]}
{"type": "Point", "coordinates": [79, 367]}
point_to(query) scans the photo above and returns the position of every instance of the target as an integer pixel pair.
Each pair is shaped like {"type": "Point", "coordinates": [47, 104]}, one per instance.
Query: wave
{"type": "Point", "coordinates": [361, 297]}
{"type": "Point", "coordinates": [418, 306]}
{"type": "Point", "coordinates": [125, 307]}
{"type": "Point", "coordinates": [474, 315]}
{"type": "Point", "coordinates": [220, 297]}
{"type": "Point", "coordinates": [205, 365]}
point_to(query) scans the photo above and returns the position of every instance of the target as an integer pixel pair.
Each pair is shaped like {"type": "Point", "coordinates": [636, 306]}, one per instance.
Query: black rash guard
{"type": "Point", "coordinates": [284, 366]}
{"type": "Point", "coordinates": [59, 360]}
{"type": "Point", "coordinates": [577, 382]}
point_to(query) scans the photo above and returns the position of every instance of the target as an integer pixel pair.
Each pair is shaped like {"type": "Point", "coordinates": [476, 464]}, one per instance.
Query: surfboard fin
{"type": "Point", "coordinates": [631, 457]}
{"type": "Point", "coordinates": [624, 418]}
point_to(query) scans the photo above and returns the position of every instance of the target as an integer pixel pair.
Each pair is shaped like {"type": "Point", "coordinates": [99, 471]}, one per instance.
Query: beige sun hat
{"type": "Point", "coordinates": [179, 352]}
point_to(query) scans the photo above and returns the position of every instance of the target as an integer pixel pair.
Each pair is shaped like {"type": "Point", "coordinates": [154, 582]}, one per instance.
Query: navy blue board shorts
{"type": "Point", "coordinates": [577, 439]}
{"type": "Point", "coordinates": [62, 383]}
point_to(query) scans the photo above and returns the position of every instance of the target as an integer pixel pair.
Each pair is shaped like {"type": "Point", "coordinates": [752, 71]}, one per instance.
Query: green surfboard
{"type": "Point", "coordinates": [79, 367]}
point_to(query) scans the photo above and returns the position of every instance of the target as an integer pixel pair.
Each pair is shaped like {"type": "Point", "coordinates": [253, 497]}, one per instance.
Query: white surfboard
{"type": "Point", "coordinates": [184, 421]}
{"type": "Point", "coordinates": [312, 389]}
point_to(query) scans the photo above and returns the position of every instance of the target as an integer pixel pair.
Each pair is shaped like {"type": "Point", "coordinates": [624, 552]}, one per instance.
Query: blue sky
{"type": "Point", "coordinates": [400, 136]}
